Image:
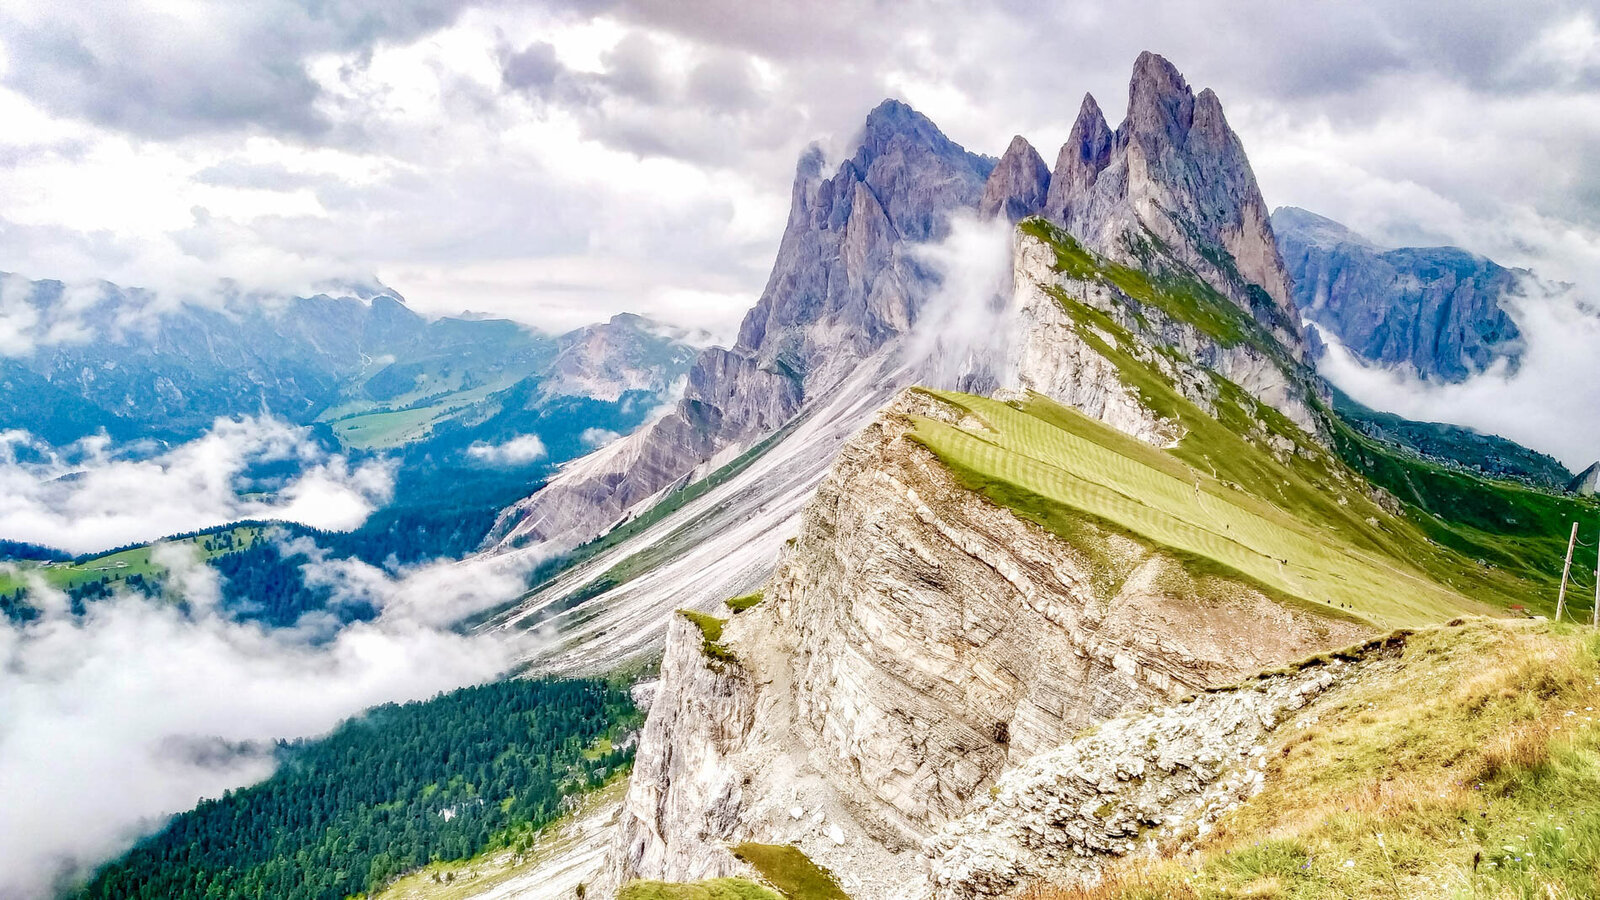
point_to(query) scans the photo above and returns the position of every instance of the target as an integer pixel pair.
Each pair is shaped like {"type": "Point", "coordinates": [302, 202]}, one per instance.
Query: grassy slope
{"type": "Point", "coordinates": [1050, 463]}
{"type": "Point", "coordinates": [1472, 772]}
{"type": "Point", "coordinates": [1499, 542]}
{"type": "Point", "coordinates": [120, 564]}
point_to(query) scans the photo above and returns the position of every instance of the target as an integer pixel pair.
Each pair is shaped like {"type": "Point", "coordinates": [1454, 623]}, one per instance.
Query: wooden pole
{"type": "Point", "coordinates": [1561, 599]}
{"type": "Point", "coordinates": [1595, 615]}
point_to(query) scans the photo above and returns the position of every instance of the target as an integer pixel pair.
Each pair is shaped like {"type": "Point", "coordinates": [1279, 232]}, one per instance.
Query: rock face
{"type": "Point", "coordinates": [1587, 482]}
{"type": "Point", "coordinates": [1134, 784]}
{"type": "Point", "coordinates": [1436, 311]}
{"type": "Point", "coordinates": [1171, 188]}
{"type": "Point", "coordinates": [1018, 185]}
{"type": "Point", "coordinates": [914, 642]}
{"type": "Point", "coordinates": [845, 283]}
{"type": "Point", "coordinates": [1049, 353]}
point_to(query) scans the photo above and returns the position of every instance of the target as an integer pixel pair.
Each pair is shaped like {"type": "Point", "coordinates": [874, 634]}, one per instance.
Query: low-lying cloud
{"type": "Point", "coordinates": [90, 496]}
{"type": "Point", "coordinates": [963, 330]}
{"type": "Point", "coordinates": [135, 710]}
{"type": "Point", "coordinates": [1548, 403]}
{"type": "Point", "coordinates": [520, 450]}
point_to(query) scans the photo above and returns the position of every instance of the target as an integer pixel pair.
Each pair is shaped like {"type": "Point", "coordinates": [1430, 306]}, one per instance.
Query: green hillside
{"type": "Point", "coordinates": [1344, 520]}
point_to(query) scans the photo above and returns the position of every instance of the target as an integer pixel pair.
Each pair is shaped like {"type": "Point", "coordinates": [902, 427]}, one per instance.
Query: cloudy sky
{"type": "Point", "coordinates": [559, 161]}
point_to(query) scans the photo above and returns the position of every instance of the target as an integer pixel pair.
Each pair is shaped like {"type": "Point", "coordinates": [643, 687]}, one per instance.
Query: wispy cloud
{"type": "Point", "coordinates": [89, 497]}
{"type": "Point", "coordinates": [518, 451]}
{"type": "Point", "coordinates": [1548, 404]}
{"type": "Point", "coordinates": [118, 718]}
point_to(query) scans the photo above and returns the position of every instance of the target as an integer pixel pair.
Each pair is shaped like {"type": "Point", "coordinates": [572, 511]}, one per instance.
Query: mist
{"type": "Point", "coordinates": [115, 719]}
{"type": "Point", "coordinates": [92, 496]}
{"type": "Point", "coordinates": [963, 330]}
{"type": "Point", "coordinates": [1548, 403]}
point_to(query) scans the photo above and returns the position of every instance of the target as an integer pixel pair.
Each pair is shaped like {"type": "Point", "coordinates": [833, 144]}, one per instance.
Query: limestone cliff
{"type": "Point", "coordinates": [914, 643]}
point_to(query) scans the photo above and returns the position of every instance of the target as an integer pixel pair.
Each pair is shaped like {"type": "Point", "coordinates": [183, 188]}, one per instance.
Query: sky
{"type": "Point", "coordinates": [560, 161]}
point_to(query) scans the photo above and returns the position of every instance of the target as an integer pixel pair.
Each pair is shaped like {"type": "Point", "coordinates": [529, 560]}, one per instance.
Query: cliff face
{"type": "Point", "coordinates": [914, 642]}
{"type": "Point", "coordinates": [845, 283]}
{"type": "Point", "coordinates": [1434, 310]}
{"type": "Point", "coordinates": [1051, 352]}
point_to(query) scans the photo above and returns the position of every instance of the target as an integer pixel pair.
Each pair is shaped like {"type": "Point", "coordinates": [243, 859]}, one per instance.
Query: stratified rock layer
{"type": "Point", "coordinates": [915, 642]}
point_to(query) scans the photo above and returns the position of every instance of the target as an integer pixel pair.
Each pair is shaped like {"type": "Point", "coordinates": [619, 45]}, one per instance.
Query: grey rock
{"type": "Point", "coordinates": [844, 284]}
{"type": "Point", "coordinates": [1083, 157]}
{"type": "Point", "coordinates": [1434, 310]}
{"type": "Point", "coordinates": [1019, 184]}
{"type": "Point", "coordinates": [1587, 482]}
{"type": "Point", "coordinates": [1173, 191]}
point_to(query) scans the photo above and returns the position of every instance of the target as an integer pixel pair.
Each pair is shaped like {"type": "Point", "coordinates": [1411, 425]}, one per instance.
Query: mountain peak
{"type": "Point", "coordinates": [1018, 185]}
{"type": "Point", "coordinates": [1159, 99]}
{"type": "Point", "coordinates": [1086, 152]}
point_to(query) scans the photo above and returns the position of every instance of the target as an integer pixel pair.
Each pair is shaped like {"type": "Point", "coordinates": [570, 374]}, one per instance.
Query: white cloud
{"type": "Point", "coordinates": [121, 717]}
{"type": "Point", "coordinates": [88, 498]}
{"type": "Point", "coordinates": [1548, 404]}
{"type": "Point", "coordinates": [518, 451]}
{"type": "Point", "coordinates": [597, 437]}
{"type": "Point", "coordinates": [965, 325]}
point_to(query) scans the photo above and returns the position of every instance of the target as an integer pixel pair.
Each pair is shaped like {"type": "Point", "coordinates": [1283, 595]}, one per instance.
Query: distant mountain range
{"type": "Point", "coordinates": [124, 362]}
{"type": "Point", "coordinates": [1436, 311]}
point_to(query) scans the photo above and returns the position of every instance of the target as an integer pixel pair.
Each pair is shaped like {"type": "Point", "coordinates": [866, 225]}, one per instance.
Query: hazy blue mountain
{"type": "Point", "coordinates": [134, 369]}
{"type": "Point", "coordinates": [1435, 310]}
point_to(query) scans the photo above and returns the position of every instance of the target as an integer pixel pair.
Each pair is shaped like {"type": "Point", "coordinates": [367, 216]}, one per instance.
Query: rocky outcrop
{"type": "Point", "coordinates": [1083, 157]}
{"type": "Point", "coordinates": [1171, 188]}
{"type": "Point", "coordinates": [845, 284]}
{"type": "Point", "coordinates": [1587, 482]}
{"type": "Point", "coordinates": [915, 642]}
{"type": "Point", "coordinates": [1139, 783]}
{"type": "Point", "coordinates": [683, 802]}
{"type": "Point", "coordinates": [1018, 185]}
{"type": "Point", "coordinates": [1436, 311]}
{"type": "Point", "coordinates": [1049, 352]}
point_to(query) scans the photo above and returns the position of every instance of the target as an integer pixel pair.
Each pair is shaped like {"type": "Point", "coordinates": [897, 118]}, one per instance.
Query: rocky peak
{"type": "Point", "coordinates": [1019, 184]}
{"type": "Point", "coordinates": [846, 283]}
{"type": "Point", "coordinates": [1085, 154]}
{"type": "Point", "coordinates": [1160, 105]}
{"type": "Point", "coordinates": [1175, 172]}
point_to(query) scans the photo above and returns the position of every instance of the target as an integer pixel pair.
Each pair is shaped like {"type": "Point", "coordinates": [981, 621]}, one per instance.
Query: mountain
{"type": "Point", "coordinates": [834, 336]}
{"type": "Point", "coordinates": [844, 284]}
{"type": "Point", "coordinates": [1119, 602]}
{"type": "Point", "coordinates": [1436, 311]}
{"type": "Point", "coordinates": [1160, 500]}
{"type": "Point", "coordinates": [1171, 191]}
{"type": "Point", "coordinates": [127, 361]}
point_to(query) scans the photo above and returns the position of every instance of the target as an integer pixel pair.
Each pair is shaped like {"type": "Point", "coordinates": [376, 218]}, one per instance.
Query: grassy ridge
{"type": "Point", "coordinates": [118, 565]}
{"type": "Point", "coordinates": [1500, 542]}
{"type": "Point", "coordinates": [1049, 461]}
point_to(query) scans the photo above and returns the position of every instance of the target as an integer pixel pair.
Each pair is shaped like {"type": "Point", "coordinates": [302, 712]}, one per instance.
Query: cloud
{"type": "Point", "coordinates": [150, 69]}
{"type": "Point", "coordinates": [597, 437]}
{"type": "Point", "coordinates": [518, 451]}
{"type": "Point", "coordinates": [91, 496]}
{"type": "Point", "coordinates": [1547, 404]}
{"type": "Point", "coordinates": [137, 709]}
{"type": "Point", "coordinates": [963, 330]}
